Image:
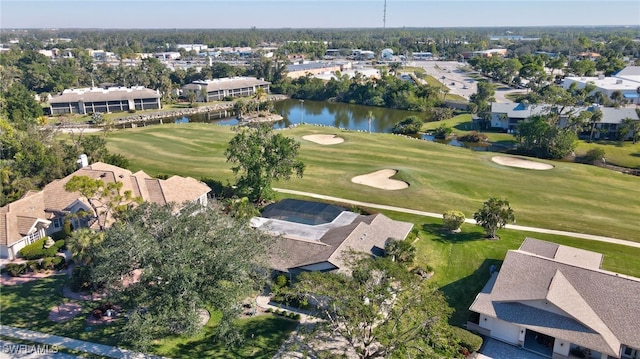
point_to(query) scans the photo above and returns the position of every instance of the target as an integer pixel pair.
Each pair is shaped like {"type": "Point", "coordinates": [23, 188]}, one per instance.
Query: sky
{"type": "Point", "coordinates": [225, 14]}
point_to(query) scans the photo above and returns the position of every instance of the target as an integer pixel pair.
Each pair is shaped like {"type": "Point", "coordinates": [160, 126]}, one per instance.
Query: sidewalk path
{"type": "Point", "coordinates": [590, 237]}
{"type": "Point", "coordinates": [80, 345]}
{"type": "Point", "coordinates": [14, 350]}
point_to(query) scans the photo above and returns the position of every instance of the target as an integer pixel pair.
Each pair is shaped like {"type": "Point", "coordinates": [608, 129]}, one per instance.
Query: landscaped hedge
{"type": "Point", "coordinates": [15, 269]}
{"type": "Point", "coordinates": [36, 249]}
{"type": "Point", "coordinates": [467, 340]}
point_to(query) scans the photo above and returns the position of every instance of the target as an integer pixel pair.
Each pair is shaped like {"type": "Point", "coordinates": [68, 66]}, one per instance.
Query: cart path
{"type": "Point", "coordinates": [590, 237]}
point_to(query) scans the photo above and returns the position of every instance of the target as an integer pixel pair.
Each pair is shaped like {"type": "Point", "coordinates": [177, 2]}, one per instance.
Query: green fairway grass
{"type": "Point", "coordinates": [572, 197]}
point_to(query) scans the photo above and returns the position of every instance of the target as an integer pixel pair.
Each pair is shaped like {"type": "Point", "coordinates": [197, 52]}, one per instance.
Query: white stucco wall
{"type": "Point", "coordinates": [561, 347]}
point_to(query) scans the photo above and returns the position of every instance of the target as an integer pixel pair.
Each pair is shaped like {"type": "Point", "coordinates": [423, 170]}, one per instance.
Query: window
{"type": "Point", "coordinates": [57, 223]}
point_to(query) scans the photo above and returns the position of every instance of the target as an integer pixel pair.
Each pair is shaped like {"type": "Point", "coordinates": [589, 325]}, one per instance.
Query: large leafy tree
{"type": "Point", "coordinates": [200, 258]}
{"type": "Point", "coordinates": [541, 137]}
{"type": "Point", "coordinates": [260, 157]}
{"type": "Point", "coordinates": [380, 311]}
{"type": "Point", "coordinates": [494, 214]}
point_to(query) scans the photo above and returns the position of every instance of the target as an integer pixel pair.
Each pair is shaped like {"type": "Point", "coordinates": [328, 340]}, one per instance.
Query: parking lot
{"type": "Point", "coordinates": [458, 81]}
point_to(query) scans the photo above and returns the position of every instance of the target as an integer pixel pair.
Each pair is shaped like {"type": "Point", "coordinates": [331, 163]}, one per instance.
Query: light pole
{"type": "Point", "coordinates": [301, 112]}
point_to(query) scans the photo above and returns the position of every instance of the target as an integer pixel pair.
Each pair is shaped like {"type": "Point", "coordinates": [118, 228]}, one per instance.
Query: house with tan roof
{"type": "Point", "coordinates": [556, 300]}
{"type": "Point", "coordinates": [313, 236]}
{"type": "Point", "coordinates": [41, 213]}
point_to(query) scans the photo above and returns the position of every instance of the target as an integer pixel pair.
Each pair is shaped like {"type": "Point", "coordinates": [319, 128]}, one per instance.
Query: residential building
{"type": "Point", "coordinates": [508, 115]}
{"type": "Point", "coordinates": [557, 301]}
{"type": "Point", "coordinates": [314, 236]}
{"type": "Point", "coordinates": [627, 81]}
{"type": "Point", "coordinates": [218, 89]}
{"type": "Point", "coordinates": [41, 213]}
{"type": "Point", "coordinates": [105, 100]}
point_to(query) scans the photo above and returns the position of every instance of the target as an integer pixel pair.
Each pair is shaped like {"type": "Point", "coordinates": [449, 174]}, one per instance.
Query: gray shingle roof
{"type": "Point", "coordinates": [604, 303]}
{"type": "Point", "coordinates": [364, 234]}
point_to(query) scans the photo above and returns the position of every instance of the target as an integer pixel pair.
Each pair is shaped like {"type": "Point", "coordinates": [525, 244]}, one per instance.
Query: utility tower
{"type": "Point", "coordinates": [384, 15]}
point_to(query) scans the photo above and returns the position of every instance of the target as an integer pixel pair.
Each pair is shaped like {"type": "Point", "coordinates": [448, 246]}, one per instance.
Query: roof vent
{"type": "Point", "coordinates": [121, 176]}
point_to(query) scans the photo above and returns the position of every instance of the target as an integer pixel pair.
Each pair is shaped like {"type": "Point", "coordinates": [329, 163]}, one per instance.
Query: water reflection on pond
{"type": "Point", "coordinates": [340, 115]}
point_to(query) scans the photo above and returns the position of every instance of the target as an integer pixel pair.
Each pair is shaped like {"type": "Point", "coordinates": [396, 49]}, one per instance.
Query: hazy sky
{"type": "Point", "coordinates": [313, 13]}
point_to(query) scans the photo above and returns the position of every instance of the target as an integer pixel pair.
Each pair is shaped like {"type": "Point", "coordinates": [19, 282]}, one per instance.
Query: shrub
{"type": "Point", "coordinates": [442, 131]}
{"type": "Point", "coordinates": [594, 155]}
{"type": "Point", "coordinates": [33, 266]}
{"type": "Point", "coordinates": [474, 136]}
{"type": "Point", "coordinates": [80, 279]}
{"type": "Point", "coordinates": [60, 245]}
{"type": "Point", "coordinates": [132, 110]}
{"type": "Point", "coordinates": [47, 263]}
{"type": "Point", "coordinates": [467, 340]}
{"type": "Point", "coordinates": [409, 126]}
{"type": "Point", "coordinates": [452, 220]}
{"type": "Point", "coordinates": [292, 315]}
{"type": "Point", "coordinates": [268, 310]}
{"type": "Point", "coordinates": [297, 316]}
{"type": "Point", "coordinates": [36, 250]}
{"type": "Point", "coordinates": [59, 262]}
{"type": "Point", "coordinates": [15, 269]}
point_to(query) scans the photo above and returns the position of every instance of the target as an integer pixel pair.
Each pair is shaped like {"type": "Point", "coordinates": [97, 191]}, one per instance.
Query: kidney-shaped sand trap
{"type": "Point", "coordinates": [324, 139]}
{"type": "Point", "coordinates": [381, 179]}
{"type": "Point", "coordinates": [520, 163]}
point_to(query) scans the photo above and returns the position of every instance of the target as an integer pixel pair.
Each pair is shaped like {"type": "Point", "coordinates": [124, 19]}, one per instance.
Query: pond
{"type": "Point", "coordinates": [340, 115]}
{"type": "Point", "coordinates": [336, 114]}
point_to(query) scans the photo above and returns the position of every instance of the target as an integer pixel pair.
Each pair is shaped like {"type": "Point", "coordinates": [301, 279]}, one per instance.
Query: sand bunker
{"type": "Point", "coordinates": [381, 179]}
{"type": "Point", "coordinates": [324, 139]}
{"type": "Point", "coordinates": [520, 163]}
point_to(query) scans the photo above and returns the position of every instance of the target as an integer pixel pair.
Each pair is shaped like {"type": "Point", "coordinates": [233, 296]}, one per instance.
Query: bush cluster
{"type": "Point", "coordinates": [47, 263]}
{"type": "Point", "coordinates": [474, 136]}
{"type": "Point", "coordinates": [36, 250]}
{"type": "Point", "coordinates": [467, 340]}
{"type": "Point", "coordinates": [284, 313]}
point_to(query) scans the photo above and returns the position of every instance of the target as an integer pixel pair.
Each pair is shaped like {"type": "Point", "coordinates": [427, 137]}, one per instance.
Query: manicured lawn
{"type": "Point", "coordinates": [28, 305]}
{"type": "Point", "coordinates": [263, 335]}
{"type": "Point", "coordinates": [624, 154]}
{"type": "Point", "coordinates": [463, 125]}
{"type": "Point", "coordinates": [461, 261]}
{"type": "Point", "coordinates": [571, 196]}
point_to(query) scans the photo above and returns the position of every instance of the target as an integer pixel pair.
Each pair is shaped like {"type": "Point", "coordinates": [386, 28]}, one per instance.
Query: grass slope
{"type": "Point", "coordinates": [570, 197]}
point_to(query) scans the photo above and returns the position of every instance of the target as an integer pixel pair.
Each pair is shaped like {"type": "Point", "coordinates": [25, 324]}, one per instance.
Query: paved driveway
{"type": "Point", "coordinates": [498, 350]}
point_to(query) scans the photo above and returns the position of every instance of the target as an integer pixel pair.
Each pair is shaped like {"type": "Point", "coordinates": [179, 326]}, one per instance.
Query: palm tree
{"type": "Point", "coordinates": [370, 117]}
{"type": "Point", "coordinates": [80, 243]}
{"type": "Point", "coordinates": [259, 95]}
{"type": "Point", "coordinates": [595, 118]}
{"type": "Point", "coordinates": [631, 126]}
